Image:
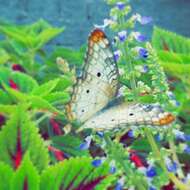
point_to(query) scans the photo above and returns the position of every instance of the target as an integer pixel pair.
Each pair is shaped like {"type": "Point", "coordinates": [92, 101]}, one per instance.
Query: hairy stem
{"type": "Point", "coordinates": [116, 154]}
{"type": "Point", "coordinates": [160, 159]}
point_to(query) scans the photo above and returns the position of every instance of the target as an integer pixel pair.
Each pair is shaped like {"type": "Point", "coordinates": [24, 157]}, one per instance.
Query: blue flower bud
{"type": "Point", "coordinates": [145, 69]}
{"type": "Point", "coordinates": [151, 172]}
{"type": "Point", "coordinates": [139, 37]}
{"type": "Point", "coordinates": [143, 53]}
{"type": "Point", "coordinates": [144, 20]}
{"type": "Point", "coordinates": [96, 163]}
{"type": "Point", "coordinates": [187, 149]}
{"type": "Point", "coordinates": [85, 145]}
{"type": "Point", "coordinates": [158, 138]}
{"type": "Point", "coordinates": [122, 35]}
{"type": "Point", "coordinates": [119, 185]}
{"type": "Point", "coordinates": [112, 169]}
{"type": "Point", "coordinates": [130, 133]}
{"type": "Point", "coordinates": [152, 188]}
{"type": "Point", "coordinates": [120, 5]}
{"type": "Point", "coordinates": [100, 134]}
{"type": "Point", "coordinates": [171, 166]}
{"type": "Point", "coordinates": [117, 55]}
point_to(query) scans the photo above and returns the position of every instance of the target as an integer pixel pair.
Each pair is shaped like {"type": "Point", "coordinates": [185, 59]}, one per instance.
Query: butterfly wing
{"type": "Point", "coordinates": [124, 115]}
{"type": "Point", "coordinates": [98, 83]}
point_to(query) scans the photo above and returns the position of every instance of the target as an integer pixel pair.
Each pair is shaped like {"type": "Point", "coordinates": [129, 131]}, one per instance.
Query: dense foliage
{"type": "Point", "coordinates": [41, 149]}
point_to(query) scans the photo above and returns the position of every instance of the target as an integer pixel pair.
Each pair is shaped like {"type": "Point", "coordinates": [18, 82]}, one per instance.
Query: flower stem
{"type": "Point", "coordinates": [119, 156]}
{"type": "Point", "coordinates": [160, 159]}
{"type": "Point", "coordinates": [175, 157]}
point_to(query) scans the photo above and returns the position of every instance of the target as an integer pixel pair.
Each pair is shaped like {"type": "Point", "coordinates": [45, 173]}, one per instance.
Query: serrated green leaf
{"type": "Point", "coordinates": [26, 177]}
{"type": "Point", "coordinates": [47, 35]}
{"type": "Point", "coordinates": [42, 104]}
{"type": "Point", "coordinates": [61, 97]}
{"type": "Point", "coordinates": [75, 173]}
{"type": "Point", "coordinates": [45, 88]}
{"type": "Point", "coordinates": [4, 56]}
{"type": "Point", "coordinates": [19, 136]}
{"type": "Point", "coordinates": [6, 173]}
{"type": "Point", "coordinates": [69, 144]}
{"type": "Point", "coordinates": [141, 145]}
{"type": "Point", "coordinates": [169, 41]}
{"type": "Point", "coordinates": [17, 95]}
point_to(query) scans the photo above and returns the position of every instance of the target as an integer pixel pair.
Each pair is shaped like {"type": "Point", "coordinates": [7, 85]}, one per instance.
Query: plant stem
{"type": "Point", "coordinates": [175, 157]}
{"type": "Point", "coordinates": [119, 158]}
{"type": "Point", "coordinates": [160, 159]}
{"type": "Point", "coordinates": [128, 60]}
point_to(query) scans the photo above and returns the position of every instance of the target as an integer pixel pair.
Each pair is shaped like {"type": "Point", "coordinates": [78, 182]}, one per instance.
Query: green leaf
{"type": "Point", "coordinates": [172, 57]}
{"type": "Point", "coordinates": [58, 97]}
{"type": "Point", "coordinates": [76, 173]}
{"type": "Point", "coordinates": [7, 109]}
{"type": "Point", "coordinates": [4, 56]}
{"type": "Point", "coordinates": [6, 173]}
{"type": "Point", "coordinates": [15, 94]}
{"type": "Point", "coordinates": [30, 36]}
{"type": "Point", "coordinates": [63, 83]}
{"type": "Point", "coordinates": [4, 97]}
{"type": "Point", "coordinates": [69, 144]}
{"type": "Point", "coordinates": [141, 145]}
{"type": "Point", "coordinates": [26, 177]}
{"type": "Point", "coordinates": [47, 35]}
{"type": "Point", "coordinates": [19, 136]}
{"type": "Point", "coordinates": [74, 57]}
{"type": "Point", "coordinates": [46, 88]}
{"type": "Point", "coordinates": [24, 82]}
{"type": "Point", "coordinates": [169, 41]}
{"type": "Point", "coordinates": [42, 104]}
{"type": "Point", "coordinates": [176, 69]}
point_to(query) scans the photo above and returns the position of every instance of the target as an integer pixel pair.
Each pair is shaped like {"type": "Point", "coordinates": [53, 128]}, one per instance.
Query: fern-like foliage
{"type": "Point", "coordinates": [26, 177]}
{"type": "Point", "coordinates": [169, 41]}
{"type": "Point", "coordinates": [76, 174]}
{"type": "Point", "coordinates": [6, 173]}
{"type": "Point", "coordinates": [19, 136]}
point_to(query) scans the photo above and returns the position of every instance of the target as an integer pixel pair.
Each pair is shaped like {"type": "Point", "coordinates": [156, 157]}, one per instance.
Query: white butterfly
{"type": "Point", "coordinates": [99, 85]}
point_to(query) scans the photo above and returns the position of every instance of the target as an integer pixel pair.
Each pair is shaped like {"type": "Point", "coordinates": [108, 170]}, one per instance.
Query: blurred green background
{"type": "Point", "coordinates": [79, 16]}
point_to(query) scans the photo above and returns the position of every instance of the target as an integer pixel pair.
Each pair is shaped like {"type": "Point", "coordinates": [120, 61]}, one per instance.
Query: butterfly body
{"type": "Point", "coordinates": [98, 85]}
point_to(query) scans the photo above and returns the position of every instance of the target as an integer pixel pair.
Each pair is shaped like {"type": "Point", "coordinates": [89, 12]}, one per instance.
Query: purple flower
{"type": "Point", "coordinates": [119, 185]}
{"type": "Point", "coordinates": [187, 149]}
{"type": "Point", "coordinates": [152, 188]}
{"type": "Point", "coordinates": [100, 134]}
{"type": "Point", "coordinates": [117, 55]}
{"type": "Point", "coordinates": [171, 166]}
{"type": "Point", "coordinates": [112, 170]}
{"type": "Point", "coordinates": [85, 145]}
{"type": "Point", "coordinates": [122, 35]}
{"type": "Point", "coordinates": [171, 95]}
{"type": "Point", "coordinates": [145, 69]}
{"type": "Point", "coordinates": [180, 135]}
{"type": "Point", "coordinates": [143, 53]}
{"type": "Point", "coordinates": [97, 162]}
{"type": "Point", "coordinates": [139, 37]}
{"type": "Point", "coordinates": [130, 134]}
{"type": "Point", "coordinates": [158, 138]}
{"type": "Point", "coordinates": [120, 5]}
{"type": "Point", "coordinates": [112, 167]}
{"type": "Point", "coordinates": [144, 20]}
{"type": "Point", "coordinates": [151, 172]}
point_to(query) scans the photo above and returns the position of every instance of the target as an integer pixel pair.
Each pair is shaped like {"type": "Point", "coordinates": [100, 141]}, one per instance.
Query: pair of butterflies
{"type": "Point", "coordinates": [98, 85]}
